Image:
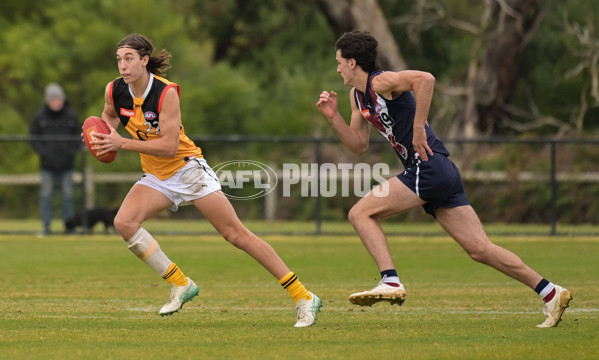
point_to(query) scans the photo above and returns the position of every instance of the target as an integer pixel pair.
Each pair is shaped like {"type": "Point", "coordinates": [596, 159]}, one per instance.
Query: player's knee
{"type": "Point", "coordinates": [235, 236]}
{"type": "Point", "coordinates": [124, 226]}
{"type": "Point", "coordinates": [355, 214]}
{"type": "Point", "coordinates": [479, 254]}
{"type": "Point", "coordinates": [118, 223]}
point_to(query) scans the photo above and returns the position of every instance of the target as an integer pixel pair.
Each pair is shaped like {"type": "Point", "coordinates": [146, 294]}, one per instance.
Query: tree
{"type": "Point", "coordinates": [492, 78]}
{"type": "Point", "coordinates": [494, 66]}
{"type": "Point", "coordinates": [347, 15]}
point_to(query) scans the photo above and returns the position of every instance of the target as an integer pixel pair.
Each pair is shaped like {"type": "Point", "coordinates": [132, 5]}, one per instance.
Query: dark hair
{"type": "Point", "coordinates": [360, 46]}
{"type": "Point", "coordinates": [158, 64]}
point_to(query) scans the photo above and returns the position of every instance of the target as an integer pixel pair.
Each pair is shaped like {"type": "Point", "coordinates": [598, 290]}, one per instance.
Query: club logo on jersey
{"type": "Point", "coordinates": [150, 115]}
{"type": "Point", "coordinates": [366, 114]}
{"type": "Point", "coordinates": [127, 112]}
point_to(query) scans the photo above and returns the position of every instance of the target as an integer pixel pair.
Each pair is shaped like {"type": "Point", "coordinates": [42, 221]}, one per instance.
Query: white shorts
{"type": "Point", "coordinates": [193, 181]}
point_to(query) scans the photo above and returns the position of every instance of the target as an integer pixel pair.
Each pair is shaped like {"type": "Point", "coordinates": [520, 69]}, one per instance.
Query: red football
{"type": "Point", "coordinates": [97, 125]}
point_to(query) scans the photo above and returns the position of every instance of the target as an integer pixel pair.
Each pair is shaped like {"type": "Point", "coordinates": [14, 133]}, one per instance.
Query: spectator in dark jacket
{"type": "Point", "coordinates": [56, 120]}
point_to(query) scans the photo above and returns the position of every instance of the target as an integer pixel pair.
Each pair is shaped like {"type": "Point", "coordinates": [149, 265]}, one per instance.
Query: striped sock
{"type": "Point", "coordinates": [175, 276]}
{"type": "Point", "coordinates": [390, 277]}
{"type": "Point", "coordinates": [295, 288]}
{"type": "Point", "coordinates": [546, 290]}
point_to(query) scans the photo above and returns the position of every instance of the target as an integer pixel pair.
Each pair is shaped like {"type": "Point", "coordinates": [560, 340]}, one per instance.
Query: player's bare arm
{"type": "Point", "coordinates": [355, 135]}
{"type": "Point", "coordinates": [109, 142]}
{"type": "Point", "coordinates": [109, 113]}
{"type": "Point", "coordinates": [391, 84]}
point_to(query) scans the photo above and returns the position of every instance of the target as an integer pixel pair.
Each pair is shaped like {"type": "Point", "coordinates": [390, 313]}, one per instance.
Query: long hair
{"type": "Point", "coordinates": [360, 46]}
{"type": "Point", "coordinates": [158, 64]}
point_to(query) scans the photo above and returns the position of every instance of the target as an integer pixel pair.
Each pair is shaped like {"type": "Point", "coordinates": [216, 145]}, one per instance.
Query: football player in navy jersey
{"type": "Point", "coordinates": [397, 105]}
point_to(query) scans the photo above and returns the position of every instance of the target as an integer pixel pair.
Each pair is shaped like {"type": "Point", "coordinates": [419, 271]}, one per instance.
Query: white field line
{"type": "Point", "coordinates": [212, 310]}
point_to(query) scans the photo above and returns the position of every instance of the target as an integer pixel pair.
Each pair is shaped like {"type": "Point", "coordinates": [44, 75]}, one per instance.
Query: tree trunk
{"type": "Point", "coordinates": [493, 77]}
{"type": "Point", "coordinates": [347, 15]}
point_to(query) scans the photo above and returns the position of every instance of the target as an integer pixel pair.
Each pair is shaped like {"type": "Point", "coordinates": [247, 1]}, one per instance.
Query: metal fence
{"type": "Point", "coordinates": [546, 163]}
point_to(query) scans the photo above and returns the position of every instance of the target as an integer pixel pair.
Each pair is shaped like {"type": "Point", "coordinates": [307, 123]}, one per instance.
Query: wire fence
{"type": "Point", "coordinates": [547, 182]}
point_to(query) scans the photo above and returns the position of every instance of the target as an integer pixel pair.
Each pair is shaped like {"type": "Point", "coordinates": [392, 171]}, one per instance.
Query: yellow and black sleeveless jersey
{"type": "Point", "coordinates": [140, 117]}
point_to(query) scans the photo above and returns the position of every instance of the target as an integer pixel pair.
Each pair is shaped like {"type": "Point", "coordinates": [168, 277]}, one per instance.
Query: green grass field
{"type": "Point", "coordinates": [88, 297]}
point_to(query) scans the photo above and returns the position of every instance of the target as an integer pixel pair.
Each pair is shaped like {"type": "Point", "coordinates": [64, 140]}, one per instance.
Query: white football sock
{"type": "Point", "coordinates": [147, 249]}
{"type": "Point", "coordinates": [546, 290]}
{"type": "Point", "coordinates": [392, 280]}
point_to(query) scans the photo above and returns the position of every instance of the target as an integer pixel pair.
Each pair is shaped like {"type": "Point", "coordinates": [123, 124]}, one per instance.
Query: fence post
{"type": "Point", "coordinates": [270, 200]}
{"type": "Point", "coordinates": [83, 192]}
{"type": "Point", "coordinates": [553, 190]}
{"type": "Point", "coordinates": [90, 191]}
{"type": "Point", "coordinates": [318, 210]}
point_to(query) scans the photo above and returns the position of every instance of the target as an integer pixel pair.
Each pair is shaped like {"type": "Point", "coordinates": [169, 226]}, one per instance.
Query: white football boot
{"type": "Point", "coordinates": [307, 310]}
{"type": "Point", "coordinates": [381, 292]}
{"type": "Point", "coordinates": [179, 296]}
{"type": "Point", "coordinates": [554, 309]}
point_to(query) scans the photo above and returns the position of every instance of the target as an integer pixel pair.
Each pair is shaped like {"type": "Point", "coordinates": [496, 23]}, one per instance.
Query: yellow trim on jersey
{"type": "Point", "coordinates": [141, 126]}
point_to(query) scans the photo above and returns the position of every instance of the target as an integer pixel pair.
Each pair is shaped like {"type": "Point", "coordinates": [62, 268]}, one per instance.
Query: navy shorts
{"type": "Point", "coordinates": [436, 181]}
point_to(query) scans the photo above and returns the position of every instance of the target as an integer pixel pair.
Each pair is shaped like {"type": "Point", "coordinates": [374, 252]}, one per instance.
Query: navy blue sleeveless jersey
{"type": "Point", "coordinates": [394, 119]}
{"type": "Point", "coordinates": [436, 181]}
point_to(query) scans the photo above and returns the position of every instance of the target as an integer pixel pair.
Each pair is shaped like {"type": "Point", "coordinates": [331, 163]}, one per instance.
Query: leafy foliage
{"type": "Point", "coordinates": [256, 67]}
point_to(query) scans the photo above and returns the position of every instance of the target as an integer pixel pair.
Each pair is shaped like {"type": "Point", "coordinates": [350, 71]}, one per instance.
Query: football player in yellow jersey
{"type": "Point", "coordinates": [175, 173]}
